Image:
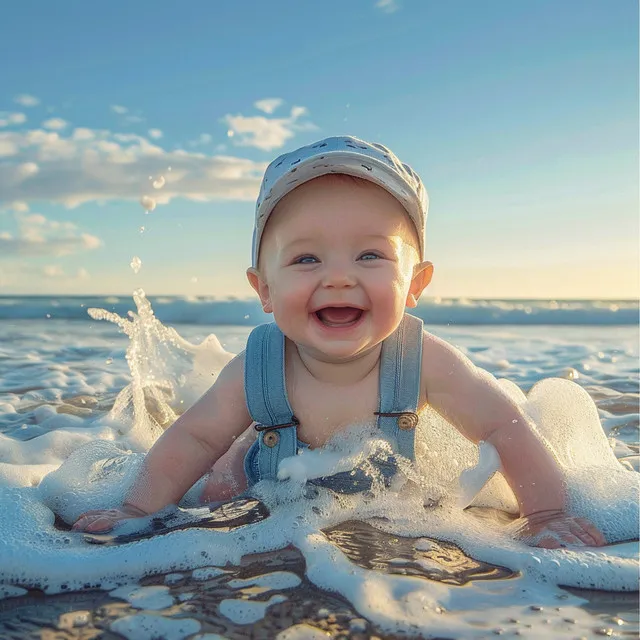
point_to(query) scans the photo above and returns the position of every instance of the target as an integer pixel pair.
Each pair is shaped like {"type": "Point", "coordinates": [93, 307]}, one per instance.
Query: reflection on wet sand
{"type": "Point", "coordinates": [266, 595]}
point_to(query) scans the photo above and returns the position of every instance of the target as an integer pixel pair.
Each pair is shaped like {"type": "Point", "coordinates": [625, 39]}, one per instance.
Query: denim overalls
{"type": "Point", "coordinates": [265, 389]}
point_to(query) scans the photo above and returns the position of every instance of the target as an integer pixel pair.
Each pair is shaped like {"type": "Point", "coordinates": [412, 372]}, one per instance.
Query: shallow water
{"type": "Point", "coordinates": [409, 570]}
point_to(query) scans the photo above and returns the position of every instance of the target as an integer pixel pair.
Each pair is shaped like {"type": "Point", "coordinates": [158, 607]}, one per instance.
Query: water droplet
{"type": "Point", "coordinates": [571, 374]}
{"type": "Point", "coordinates": [108, 361]}
{"type": "Point", "coordinates": [148, 204]}
{"type": "Point", "coordinates": [159, 182]}
{"type": "Point", "coordinates": [48, 315]}
{"type": "Point", "coordinates": [230, 133]}
{"type": "Point", "coordinates": [168, 168]}
{"type": "Point", "coordinates": [194, 279]}
{"type": "Point", "coordinates": [135, 264]}
{"type": "Point", "coordinates": [141, 229]}
{"type": "Point", "coordinates": [246, 317]}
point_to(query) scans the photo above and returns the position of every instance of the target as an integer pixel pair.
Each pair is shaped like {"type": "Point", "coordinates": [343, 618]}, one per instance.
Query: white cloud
{"type": "Point", "coordinates": [96, 165]}
{"type": "Point", "coordinates": [268, 105]}
{"type": "Point", "coordinates": [27, 169]}
{"type": "Point", "coordinates": [55, 124]}
{"type": "Point", "coordinates": [155, 134]}
{"type": "Point", "coordinates": [27, 100]}
{"type": "Point", "coordinates": [388, 6]}
{"type": "Point", "coordinates": [7, 146]}
{"type": "Point", "coordinates": [38, 236]}
{"type": "Point", "coordinates": [83, 134]}
{"type": "Point", "coordinates": [296, 112]}
{"type": "Point", "coordinates": [53, 271]}
{"type": "Point", "coordinates": [18, 206]}
{"type": "Point", "coordinates": [127, 116]}
{"type": "Point", "coordinates": [266, 133]}
{"type": "Point", "coordinates": [8, 119]}
{"type": "Point", "coordinates": [20, 274]}
{"type": "Point", "coordinates": [202, 139]}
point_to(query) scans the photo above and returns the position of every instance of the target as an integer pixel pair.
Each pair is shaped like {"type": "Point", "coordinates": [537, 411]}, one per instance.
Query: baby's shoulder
{"type": "Point", "coordinates": [439, 357]}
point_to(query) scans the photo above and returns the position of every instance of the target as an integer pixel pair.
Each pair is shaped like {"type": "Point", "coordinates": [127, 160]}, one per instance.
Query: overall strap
{"type": "Point", "coordinates": [267, 401]}
{"type": "Point", "coordinates": [400, 368]}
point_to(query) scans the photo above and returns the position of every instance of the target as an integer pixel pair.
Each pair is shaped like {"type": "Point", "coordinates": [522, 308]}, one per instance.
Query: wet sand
{"type": "Point", "coordinates": [307, 611]}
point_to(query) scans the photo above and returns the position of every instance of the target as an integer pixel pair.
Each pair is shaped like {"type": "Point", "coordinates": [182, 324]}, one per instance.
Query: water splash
{"type": "Point", "coordinates": [135, 264]}
{"type": "Point", "coordinates": [148, 204]}
{"type": "Point", "coordinates": [168, 373]}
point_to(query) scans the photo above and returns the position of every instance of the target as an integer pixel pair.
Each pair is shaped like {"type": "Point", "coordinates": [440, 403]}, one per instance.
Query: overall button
{"type": "Point", "coordinates": [271, 438]}
{"type": "Point", "coordinates": [407, 421]}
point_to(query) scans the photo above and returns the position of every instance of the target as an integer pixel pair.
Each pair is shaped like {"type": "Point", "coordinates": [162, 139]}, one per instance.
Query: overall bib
{"type": "Point", "coordinates": [266, 394]}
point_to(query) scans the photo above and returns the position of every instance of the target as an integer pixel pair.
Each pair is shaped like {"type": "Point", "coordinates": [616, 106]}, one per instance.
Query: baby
{"type": "Point", "coordinates": [338, 256]}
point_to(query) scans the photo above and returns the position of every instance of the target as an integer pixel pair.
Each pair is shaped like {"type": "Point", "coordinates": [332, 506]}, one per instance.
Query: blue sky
{"type": "Point", "coordinates": [521, 117]}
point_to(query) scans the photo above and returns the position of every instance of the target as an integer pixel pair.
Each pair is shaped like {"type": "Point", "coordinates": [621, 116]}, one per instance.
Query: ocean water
{"type": "Point", "coordinates": [84, 394]}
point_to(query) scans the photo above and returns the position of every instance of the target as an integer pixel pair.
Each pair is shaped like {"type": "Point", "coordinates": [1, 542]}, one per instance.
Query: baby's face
{"type": "Point", "coordinates": [337, 262]}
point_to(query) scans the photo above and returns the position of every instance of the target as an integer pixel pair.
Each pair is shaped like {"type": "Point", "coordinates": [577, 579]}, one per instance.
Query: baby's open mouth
{"type": "Point", "coordinates": [338, 316]}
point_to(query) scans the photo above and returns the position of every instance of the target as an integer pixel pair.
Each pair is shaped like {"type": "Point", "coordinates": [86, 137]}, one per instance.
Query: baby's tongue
{"type": "Point", "coordinates": [339, 315]}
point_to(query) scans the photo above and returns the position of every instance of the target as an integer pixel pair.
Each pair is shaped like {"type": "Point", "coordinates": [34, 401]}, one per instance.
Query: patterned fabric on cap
{"type": "Point", "coordinates": [341, 154]}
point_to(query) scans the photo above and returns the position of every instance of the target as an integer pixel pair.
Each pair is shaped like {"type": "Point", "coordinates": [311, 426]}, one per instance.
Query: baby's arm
{"type": "Point", "coordinates": [473, 401]}
{"type": "Point", "coordinates": [185, 451]}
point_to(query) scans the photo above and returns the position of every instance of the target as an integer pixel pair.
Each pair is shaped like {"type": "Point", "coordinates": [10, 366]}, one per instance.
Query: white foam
{"type": "Point", "coordinates": [247, 611]}
{"type": "Point", "coordinates": [24, 475]}
{"type": "Point", "coordinates": [146, 626]}
{"type": "Point", "coordinates": [152, 598]}
{"type": "Point", "coordinates": [303, 632]}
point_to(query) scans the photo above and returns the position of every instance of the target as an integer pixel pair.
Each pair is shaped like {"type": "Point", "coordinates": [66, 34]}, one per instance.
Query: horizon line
{"type": "Point", "coordinates": [232, 298]}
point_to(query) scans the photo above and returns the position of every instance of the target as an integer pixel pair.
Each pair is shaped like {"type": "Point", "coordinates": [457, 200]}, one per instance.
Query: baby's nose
{"type": "Point", "coordinates": [338, 278]}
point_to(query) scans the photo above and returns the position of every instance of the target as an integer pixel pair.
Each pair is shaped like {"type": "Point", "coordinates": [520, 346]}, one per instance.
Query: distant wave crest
{"type": "Point", "coordinates": [209, 311]}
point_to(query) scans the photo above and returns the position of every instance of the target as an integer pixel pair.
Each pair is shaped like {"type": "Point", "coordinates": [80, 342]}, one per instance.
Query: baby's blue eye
{"type": "Point", "coordinates": [305, 260]}
{"type": "Point", "coordinates": [369, 256]}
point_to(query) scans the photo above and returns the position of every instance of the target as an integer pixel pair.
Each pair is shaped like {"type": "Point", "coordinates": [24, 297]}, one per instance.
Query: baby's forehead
{"type": "Point", "coordinates": [304, 209]}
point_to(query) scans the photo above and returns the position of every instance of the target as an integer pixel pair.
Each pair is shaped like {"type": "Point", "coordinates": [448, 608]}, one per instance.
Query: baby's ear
{"type": "Point", "coordinates": [261, 287]}
{"type": "Point", "coordinates": [422, 274]}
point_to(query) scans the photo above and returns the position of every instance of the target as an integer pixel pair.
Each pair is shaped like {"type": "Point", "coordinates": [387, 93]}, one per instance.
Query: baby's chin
{"type": "Point", "coordinates": [337, 350]}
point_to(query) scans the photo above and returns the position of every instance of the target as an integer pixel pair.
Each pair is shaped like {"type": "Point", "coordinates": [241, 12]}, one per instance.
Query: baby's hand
{"type": "Point", "coordinates": [554, 529]}
{"type": "Point", "coordinates": [103, 520]}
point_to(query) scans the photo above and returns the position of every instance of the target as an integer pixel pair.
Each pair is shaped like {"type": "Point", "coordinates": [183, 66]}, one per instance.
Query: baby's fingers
{"type": "Point", "coordinates": [96, 521]}
{"type": "Point", "coordinates": [100, 525]}
{"type": "Point", "coordinates": [587, 533]}
{"type": "Point", "coordinates": [93, 524]}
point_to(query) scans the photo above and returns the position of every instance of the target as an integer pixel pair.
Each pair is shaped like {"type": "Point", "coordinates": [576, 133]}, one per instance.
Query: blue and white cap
{"type": "Point", "coordinates": [347, 155]}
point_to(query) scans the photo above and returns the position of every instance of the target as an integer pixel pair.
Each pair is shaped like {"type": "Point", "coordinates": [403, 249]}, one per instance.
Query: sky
{"type": "Point", "coordinates": [520, 117]}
